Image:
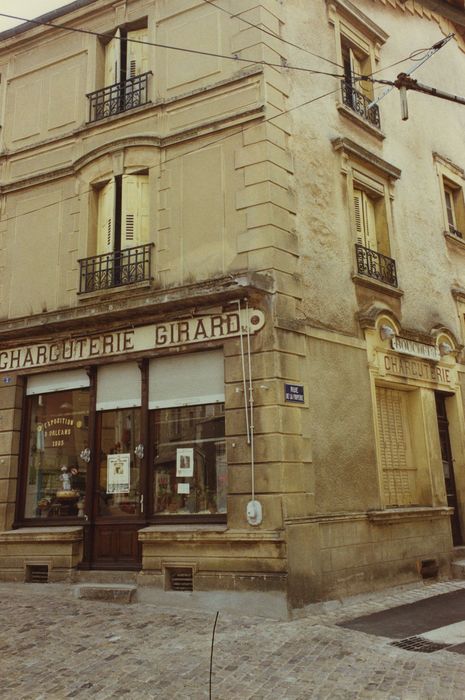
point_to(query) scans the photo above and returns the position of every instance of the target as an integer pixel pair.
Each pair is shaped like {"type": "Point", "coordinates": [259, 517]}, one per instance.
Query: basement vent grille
{"type": "Point", "coordinates": [37, 573]}
{"type": "Point", "coordinates": [181, 579]}
{"type": "Point", "coordinates": [429, 568]}
{"type": "Point", "coordinates": [419, 644]}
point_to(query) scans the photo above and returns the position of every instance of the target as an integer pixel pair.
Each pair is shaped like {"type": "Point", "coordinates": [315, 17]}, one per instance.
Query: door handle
{"type": "Point", "coordinates": [141, 501]}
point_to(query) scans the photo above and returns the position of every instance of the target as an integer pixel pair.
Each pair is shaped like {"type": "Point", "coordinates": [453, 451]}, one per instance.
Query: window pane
{"type": "Point", "coordinates": [119, 480]}
{"type": "Point", "coordinates": [56, 479]}
{"type": "Point", "coordinates": [190, 470]}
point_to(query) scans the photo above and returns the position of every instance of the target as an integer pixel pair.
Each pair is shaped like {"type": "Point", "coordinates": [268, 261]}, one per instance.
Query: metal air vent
{"type": "Point", "coordinates": [180, 579]}
{"type": "Point", "coordinates": [36, 573]}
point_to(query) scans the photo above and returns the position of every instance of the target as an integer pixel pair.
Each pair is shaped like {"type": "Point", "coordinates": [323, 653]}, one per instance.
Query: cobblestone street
{"type": "Point", "coordinates": [54, 646]}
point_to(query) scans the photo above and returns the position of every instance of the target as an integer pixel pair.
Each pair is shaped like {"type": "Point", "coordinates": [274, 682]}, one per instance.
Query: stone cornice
{"type": "Point", "coordinates": [141, 307]}
{"type": "Point", "coordinates": [353, 150]}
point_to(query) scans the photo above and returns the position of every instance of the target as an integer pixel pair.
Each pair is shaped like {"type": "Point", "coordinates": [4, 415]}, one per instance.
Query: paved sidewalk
{"type": "Point", "coordinates": [54, 646]}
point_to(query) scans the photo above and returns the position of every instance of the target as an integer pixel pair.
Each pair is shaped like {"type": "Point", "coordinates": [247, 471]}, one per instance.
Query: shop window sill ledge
{"type": "Point", "coordinates": [371, 283]}
{"type": "Point", "coordinates": [43, 534]}
{"type": "Point", "coordinates": [403, 514]}
{"type": "Point", "coordinates": [352, 116]}
{"type": "Point", "coordinates": [204, 532]}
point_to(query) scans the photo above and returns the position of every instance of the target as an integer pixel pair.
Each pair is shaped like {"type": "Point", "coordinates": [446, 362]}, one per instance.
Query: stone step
{"type": "Point", "coordinates": [458, 568]}
{"type": "Point", "coordinates": [459, 552]}
{"type": "Point", "coordinates": [114, 593]}
{"type": "Point", "coordinates": [101, 576]}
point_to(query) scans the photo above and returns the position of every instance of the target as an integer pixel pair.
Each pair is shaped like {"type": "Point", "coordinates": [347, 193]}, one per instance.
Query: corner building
{"type": "Point", "coordinates": [231, 359]}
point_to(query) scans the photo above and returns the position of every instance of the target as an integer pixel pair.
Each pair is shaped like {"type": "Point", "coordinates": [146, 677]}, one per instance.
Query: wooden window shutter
{"type": "Point", "coordinates": [113, 60]}
{"type": "Point", "coordinates": [137, 61]}
{"type": "Point", "coordinates": [365, 220]}
{"type": "Point", "coordinates": [106, 219]}
{"type": "Point", "coordinates": [135, 211]}
{"type": "Point", "coordinates": [358, 213]}
{"type": "Point", "coordinates": [394, 447]}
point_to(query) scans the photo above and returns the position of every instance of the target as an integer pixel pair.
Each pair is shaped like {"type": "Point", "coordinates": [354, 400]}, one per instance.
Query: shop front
{"type": "Point", "coordinates": [123, 431]}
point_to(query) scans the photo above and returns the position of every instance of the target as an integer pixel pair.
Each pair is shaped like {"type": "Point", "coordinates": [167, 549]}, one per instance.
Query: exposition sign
{"type": "Point", "coordinates": [196, 329]}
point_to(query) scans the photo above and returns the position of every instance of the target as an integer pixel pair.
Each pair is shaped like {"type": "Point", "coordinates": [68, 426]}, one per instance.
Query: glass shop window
{"type": "Point", "coordinates": [189, 469]}
{"type": "Point", "coordinates": [56, 474]}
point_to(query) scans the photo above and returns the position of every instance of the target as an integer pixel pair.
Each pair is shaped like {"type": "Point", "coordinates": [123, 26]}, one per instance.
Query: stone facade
{"type": "Point", "coordinates": [269, 187]}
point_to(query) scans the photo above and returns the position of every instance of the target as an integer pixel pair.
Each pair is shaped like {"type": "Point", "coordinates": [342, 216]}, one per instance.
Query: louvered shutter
{"type": "Point", "coordinates": [137, 61]}
{"type": "Point", "coordinates": [106, 219]}
{"type": "Point", "coordinates": [358, 213]}
{"type": "Point", "coordinates": [135, 211]}
{"type": "Point", "coordinates": [394, 450]}
{"type": "Point", "coordinates": [365, 221]}
{"type": "Point", "coordinates": [113, 60]}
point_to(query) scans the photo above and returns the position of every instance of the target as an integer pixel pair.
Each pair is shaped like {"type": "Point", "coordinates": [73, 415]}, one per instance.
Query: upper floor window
{"type": "Point", "coordinates": [451, 181]}
{"type": "Point", "coordinates": [122, 241]}
{"type": "Point", "coordinates": [358, 40]}
{"type": "Point", "coordinates": [370, 192]}
{"type": "Point", "coordinates": [125, 74]}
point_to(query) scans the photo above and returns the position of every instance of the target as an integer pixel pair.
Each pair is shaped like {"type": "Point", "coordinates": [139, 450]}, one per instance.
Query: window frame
{"type": "Point", "coordinates": [451, 184]}
{"type": "Point", "coordinates": [356, 32]}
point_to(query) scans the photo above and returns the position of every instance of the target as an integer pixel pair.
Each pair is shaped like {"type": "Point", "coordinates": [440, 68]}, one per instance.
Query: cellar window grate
{"type": "Point", "coordinates": [37, 573]}
{"type": "Point", "coordinates": [181, 579]}
{"type": "Point", "coordinates": [419, 644]}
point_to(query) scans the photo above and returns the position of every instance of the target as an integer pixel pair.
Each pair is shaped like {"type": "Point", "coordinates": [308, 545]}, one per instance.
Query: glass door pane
{"type": "Point", "coordinates": [119, 492]}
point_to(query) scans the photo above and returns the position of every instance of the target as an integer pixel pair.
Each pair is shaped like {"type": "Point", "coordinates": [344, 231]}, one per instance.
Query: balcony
{"type": "Point", "coordinates": [119, 97]}
{"type": "Point", "coordinates": [375, 265]}
{"type": "Point", "coordinates": [358, 103]}
{"type": "Point", "coordinates": [116, 269]}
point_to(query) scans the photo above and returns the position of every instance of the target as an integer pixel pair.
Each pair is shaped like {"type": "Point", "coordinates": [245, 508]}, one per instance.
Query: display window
{"type": "Point", "coordinates": [189, 467]}
{"type": "Point", "coordinates": [58, 435]}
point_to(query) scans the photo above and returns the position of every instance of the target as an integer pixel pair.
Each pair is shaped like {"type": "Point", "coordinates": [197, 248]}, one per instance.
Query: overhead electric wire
{"type": "Point", "coordinates": [270, 33]}
{"type": "Point", "coordinates": [169, 47]}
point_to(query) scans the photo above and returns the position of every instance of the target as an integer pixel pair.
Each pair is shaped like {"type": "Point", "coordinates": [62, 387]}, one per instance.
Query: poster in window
{"type": "Point", "coordinates": [118, 473]}
{"type": "Point", "coordinates": [185, 461]}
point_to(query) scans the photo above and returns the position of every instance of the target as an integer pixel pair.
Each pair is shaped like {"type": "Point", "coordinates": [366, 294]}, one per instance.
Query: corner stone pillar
{"type": "Point", "coordinates": [11, 395]}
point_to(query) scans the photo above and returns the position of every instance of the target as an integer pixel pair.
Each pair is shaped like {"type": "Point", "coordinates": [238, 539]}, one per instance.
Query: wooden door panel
{"type": "Point", "coordinates": [116, 546]}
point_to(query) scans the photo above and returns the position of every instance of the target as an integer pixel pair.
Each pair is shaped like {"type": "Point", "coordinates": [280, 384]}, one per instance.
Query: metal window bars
{"type": "Point", "coordinates": [455, 232]}
{"type": "Point", "coordinates": [119, 97]}
{"type": "Point", "coordinates": [358, 102]}
{"type": "Point", "coordinates": [375, 265]}
{"type": "Point", "coordinates": [115, 269]}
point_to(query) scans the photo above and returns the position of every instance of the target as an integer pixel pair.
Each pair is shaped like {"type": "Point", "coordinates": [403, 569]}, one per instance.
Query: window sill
{"type": "Point", "coordinates": [455, 240]}
{"type": "Point", "coordinates": [406, 513]}
{"type": "Point", "coordinates": [363, 123]}
{"type": "Point", "coordinates": [362, 281]}
{"type": "Point", "coordinates": [112, 117]}
{"type": "Point", "coordinates": [113, 291]}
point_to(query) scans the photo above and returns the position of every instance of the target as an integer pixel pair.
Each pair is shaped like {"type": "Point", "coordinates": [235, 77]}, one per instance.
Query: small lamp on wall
{"type": "Point", "coordinates": [445, 349]}
{"type": "Point", "coordinates": [386, 332]}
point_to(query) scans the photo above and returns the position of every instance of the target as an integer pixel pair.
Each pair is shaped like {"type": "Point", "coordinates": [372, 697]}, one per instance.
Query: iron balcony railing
{"type": "Point", "coordinates": [375, 265]}
{"type": "Point", "coordinates": [119, 97]}
{"type": "Point", "coordinates": [358, 102]}
{"type": "Point", "coordinates": [115, 269]}
{"type": "Point", "coordinates": [455, 232]}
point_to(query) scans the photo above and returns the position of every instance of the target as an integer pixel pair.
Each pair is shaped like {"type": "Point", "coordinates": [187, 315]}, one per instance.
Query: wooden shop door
{"type": "Point", "coordinates": [448, 467]}
{"type": "Point", "coordinates": [118, 508]}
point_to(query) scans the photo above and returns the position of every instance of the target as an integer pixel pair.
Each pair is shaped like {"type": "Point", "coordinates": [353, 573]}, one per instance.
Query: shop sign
{"type": "Point", "coordinates": [415, 349]}
{"type": "Point", "coordinates": [294, 393]}
{"type": "Point", "coordinates": [143, 338]}
{"type": "Point", "coordinates": [416, 369]}
{"type": "Point", "coordinates": [118, 473]}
